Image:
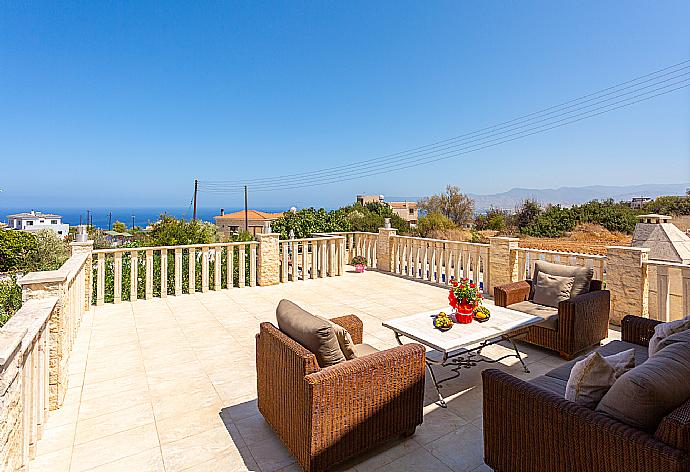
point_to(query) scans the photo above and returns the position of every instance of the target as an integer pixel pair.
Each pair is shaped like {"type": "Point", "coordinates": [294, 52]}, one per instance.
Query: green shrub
{"type": "Point", "coordinates": [433, 221]}
{"type": "Point", "coordinates": [670, 205]}
{"type": "Point", "coordinates": [10, 299]}
{"type": "Point", "coordinates": [554, 222]}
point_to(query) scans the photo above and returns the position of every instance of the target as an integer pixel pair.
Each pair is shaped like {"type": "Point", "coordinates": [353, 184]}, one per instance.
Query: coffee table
{"type": "Point", "coordinates": [461, 346]}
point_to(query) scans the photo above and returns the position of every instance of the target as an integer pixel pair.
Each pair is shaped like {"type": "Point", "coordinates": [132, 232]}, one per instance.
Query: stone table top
{"type": "Point", "coordinates": [420, 327]}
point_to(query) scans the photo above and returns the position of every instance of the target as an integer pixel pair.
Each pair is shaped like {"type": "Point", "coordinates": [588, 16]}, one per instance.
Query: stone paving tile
{"type": "Point", "coordinates": [170, 384]}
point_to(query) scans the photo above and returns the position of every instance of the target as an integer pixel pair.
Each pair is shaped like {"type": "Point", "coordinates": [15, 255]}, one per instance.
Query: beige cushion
{"type": "Point", "coordinates": [362, 350]}
{"type": "Point", "coordinates": [594, 375]}
{"type": "Point", "coordinates": [644, 395]}
{"type": "Point", "coordinates": [550, 314]}
{"type": "Point", "coordinates": [344, 339]}
{"type": "Point", "coordinates": [582, 275]}
{"type": "Point", "coordinates": [664, 330]}
{"type": "Point", "coordinates": [552, 289]}
{"type": "Point", "coordinates": [312, 332]}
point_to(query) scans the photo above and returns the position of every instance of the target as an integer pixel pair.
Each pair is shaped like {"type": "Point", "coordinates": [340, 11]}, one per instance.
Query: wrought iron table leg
{"type": "Point", "coordinates": [517, 353]}
{"type": "Point", "coordinates": [441, 401]}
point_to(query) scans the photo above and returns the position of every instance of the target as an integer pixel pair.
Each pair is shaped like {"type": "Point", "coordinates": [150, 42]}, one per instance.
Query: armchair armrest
{"type": "Point", "coordinates": [584, 320]}
{"type": "Point", "coordinates": [366, 399]}
{"type": "Point", "coordinates": [508, 294]}
{"type": "Point", "coordinates": [353, 325]}
{"type": "Point", "coordinates": [531, 429]}
{"type": "Point", "coordinates": [637, 330]}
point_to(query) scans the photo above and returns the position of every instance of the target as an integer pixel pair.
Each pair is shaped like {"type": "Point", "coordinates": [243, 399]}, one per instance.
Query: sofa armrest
{"type": "Point", "coordinates": [377, 396]}
{"type": "Point", "coordinates": [505, 295]}
{"type": "Point", "coordinates": [353, 325]}
{"type": "Point", "coordinates": [531, 429]}
{"type": "Point", "coordinates": [674, 429]}
{"type": "Point", "coordinates": [637, 330]}
{"type": "Point", "coordinates": [584, 320]}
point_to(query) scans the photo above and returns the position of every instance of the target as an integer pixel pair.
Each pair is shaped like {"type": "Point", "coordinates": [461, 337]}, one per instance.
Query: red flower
{"type": "Point", "coordinates": [472, 285]}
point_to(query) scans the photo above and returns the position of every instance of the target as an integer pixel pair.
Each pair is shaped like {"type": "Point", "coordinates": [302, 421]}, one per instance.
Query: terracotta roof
{"type": "Point", "coordinates": [251, 215]}
{"type": "Point", "coordinates": [403, 204]}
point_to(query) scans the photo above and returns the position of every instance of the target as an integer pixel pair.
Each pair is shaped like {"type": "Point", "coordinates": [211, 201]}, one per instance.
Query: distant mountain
{"type": "Point", "coordinates": [574, 195]}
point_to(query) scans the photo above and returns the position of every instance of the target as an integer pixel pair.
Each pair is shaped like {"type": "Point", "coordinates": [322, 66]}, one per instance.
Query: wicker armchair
{"type": "Point", "coordinates": [325, 416]}
{"type": "Point", "coordinates": [528, 428]}
{"type": "Point", "coordinates": [583, 320]}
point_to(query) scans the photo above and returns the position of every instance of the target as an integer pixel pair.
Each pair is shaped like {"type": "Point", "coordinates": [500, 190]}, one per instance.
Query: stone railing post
{"type": "Point", "coordinates": [85, 247]}
{"type": "Point", "coordinates": [384, 254]}
{"type": "Point", "coordinates": [626, 279]}
{"type": "Point", "coordinates": [269, 258]}
{"type": "Point", "coordinates": [502, 261]}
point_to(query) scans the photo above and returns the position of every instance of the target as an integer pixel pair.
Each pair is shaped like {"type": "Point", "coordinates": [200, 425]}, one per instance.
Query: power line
{"type": "Point", "coordinates": [455, 150]}
{"type": "Point", "coordinates": [522, 121]}
{"type": "Point", "coordinates": [463, 144]}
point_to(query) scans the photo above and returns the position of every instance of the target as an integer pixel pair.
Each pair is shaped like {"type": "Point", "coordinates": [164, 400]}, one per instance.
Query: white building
{"type": "Point", "coordinates": [35, 220]}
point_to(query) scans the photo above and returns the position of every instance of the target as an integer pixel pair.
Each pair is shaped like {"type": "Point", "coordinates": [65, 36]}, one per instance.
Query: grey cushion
{"type": "Point", "coordinates": [362, 350]}
{"type": "Point", "coordinates": [594, 375]}
{"type": "Point", "coordinates": [583, 275]}
{"type": "Point", "coordinates": [664, 330]}
{"type": "Point", "coordinates": [550, 314]}
{"type": "Point", "coordinates": [552, 289]}
{"type": "Point", "coordinates": [550, 383]}
{"type": "Point", "coordinates": [344, 339]}
{"type": "Point", "coordinates": [312, 332]}
{"type": "Point", "coordinates": [609, 349]}
{"type": "Point", "coordinates": [647, 393]}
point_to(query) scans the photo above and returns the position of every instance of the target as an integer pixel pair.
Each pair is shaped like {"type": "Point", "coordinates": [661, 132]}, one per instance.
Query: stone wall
{"type": "Point", "coordinates": [24, 379]}
{"type": "Point", "coordinates": [384, 253]}
{"type": "Point", "coordinates": [11, 410]}
{"type": "Point", "coordinates": [627, 281]}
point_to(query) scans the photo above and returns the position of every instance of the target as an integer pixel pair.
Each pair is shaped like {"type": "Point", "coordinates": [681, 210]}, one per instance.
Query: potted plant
{"type": "Point", "coordinates": [464, 297]}
{"type": "Point", "coordinates": [360, 263]}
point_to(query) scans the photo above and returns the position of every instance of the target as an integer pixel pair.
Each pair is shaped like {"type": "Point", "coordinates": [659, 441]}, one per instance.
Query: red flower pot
{"type": "Point", "coordinates": [464, 312]}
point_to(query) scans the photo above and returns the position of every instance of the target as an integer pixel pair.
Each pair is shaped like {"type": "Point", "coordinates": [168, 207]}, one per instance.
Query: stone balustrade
{"type": "Point", "coordinates": [35, 345]}
{"type": "Point", "coordinates": [439, 261]}
{"type": "Point", "coordinates": [148, 272]}
{"type": "Point", "coordinates": [669, 290]}
{"type": "Point", "coordinates": [311, 258]}
{"type": "Point", "coordinates": [526, 257]}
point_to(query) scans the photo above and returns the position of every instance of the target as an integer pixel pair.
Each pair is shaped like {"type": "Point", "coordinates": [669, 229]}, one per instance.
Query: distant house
{"type": "Point", "coordinates": [117, 239]}
{"type": "Point", "coordinates": [406, 210]}
{"type": "Point", "coordinates": [233, 223]}
{"type": "Point", "coordinates": [638, 202]}
{"type": "Point", "coordinates": [35, 221]}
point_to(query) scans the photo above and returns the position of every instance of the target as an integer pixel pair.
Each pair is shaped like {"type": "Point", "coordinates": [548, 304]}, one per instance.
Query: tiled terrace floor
{"type": "Point", "coordinates": [169, 384]}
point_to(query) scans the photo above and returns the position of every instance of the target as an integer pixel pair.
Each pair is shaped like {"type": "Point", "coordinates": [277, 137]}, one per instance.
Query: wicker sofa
{"type": "Point", "coordinates": [530, 427]}
{"type": "Point", "coordinates": [577, 324]}
{"type": "Point", "coordinates": [327, 415]}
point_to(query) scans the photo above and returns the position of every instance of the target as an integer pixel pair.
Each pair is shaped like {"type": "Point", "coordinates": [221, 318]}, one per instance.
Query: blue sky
{"type": "Point", "coordinates": [125, 103]}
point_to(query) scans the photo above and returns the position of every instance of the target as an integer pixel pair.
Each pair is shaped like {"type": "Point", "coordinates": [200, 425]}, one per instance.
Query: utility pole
{"type": "Point", "coordinates": [110, 220]}
{"type": "Point", "coordinates": [88, 217]}
{"type": "Point", "coordinates": [246, 223]}
{"type": "Point", "coordinates": [196, 188]}
{"type": "Point", "coordinates": [132, 222]}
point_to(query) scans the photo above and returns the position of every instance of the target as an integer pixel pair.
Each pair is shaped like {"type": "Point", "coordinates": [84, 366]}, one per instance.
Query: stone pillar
{"type": "Point", "coordinates": [85, 247]}
{"type": "Point", "coordinates": [502, 262]}
{"type": "Point", "coordinates": [626, 279]}
{"type": "Point", "coordinates": [384, 254]}
{"type": "Point", "coordinates": [269, 258]}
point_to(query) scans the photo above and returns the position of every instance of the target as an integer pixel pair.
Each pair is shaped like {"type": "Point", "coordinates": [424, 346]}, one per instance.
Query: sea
{"type": "Point", "coordinates": [104, 217]}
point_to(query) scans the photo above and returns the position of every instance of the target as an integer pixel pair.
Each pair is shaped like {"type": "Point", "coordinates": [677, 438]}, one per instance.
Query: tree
{"type": "Point", "coordinates": [308, 221]}
{"type": "Point", "coordinates": [494, 219]}
{"type": "Point", "coordinates": [16, 249]}
{"type": "Point", "coordinates": [453, 204]}
{"type": "Point", "coordinates": [554, 222]}
{"type": "Point", "coordinates": [169, 231]}
{"type": "Point", "coordinates": [372, 216]}
{"type": "Point", "coordinates": [669, 205]}
{"type": "Point", "coordinates": [433, 221]}
{"type": "Point", "coordinates": [51, 251]}
{"type": "Point", "coordinates": [526, 213]}
{"type": "Point", "coordinates": [119, 227]}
